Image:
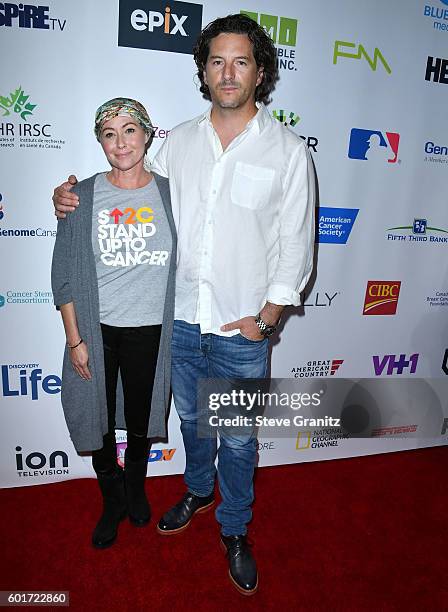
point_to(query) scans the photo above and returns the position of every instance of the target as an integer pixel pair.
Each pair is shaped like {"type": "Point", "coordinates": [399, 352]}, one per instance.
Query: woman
{"type": "Point", "coordinates": [113, 281]}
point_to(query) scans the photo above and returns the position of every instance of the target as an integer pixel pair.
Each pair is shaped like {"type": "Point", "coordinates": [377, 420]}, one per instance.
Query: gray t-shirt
{"type": "Point", "coordinates": [132, 246]}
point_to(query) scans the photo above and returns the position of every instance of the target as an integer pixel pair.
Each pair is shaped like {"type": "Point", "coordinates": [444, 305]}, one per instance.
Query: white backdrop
{"type": "Point", "coordinates": [349, 99]}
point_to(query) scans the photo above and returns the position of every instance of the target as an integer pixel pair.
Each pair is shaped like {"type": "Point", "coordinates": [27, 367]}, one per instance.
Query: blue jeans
{"type": "Point", "coordinates": [196, 356]}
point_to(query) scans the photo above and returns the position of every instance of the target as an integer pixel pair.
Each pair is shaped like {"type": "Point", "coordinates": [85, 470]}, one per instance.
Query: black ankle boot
{"type": "Point", "coordinates": [139, 510]}
{"type": "Point", "coordinates": [114, 508]}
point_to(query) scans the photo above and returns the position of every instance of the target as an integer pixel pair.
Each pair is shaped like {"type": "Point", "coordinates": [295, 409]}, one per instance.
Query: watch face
{"type": "Point", "coordinates": [269, 331]}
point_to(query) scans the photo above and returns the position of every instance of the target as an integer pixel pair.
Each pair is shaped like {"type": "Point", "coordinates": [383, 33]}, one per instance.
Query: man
{"type": "Point", "coordinates": [242, 189]}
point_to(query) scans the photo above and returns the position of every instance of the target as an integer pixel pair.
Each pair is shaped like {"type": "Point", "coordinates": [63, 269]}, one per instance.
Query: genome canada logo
{"type": "Point", "coordinates": [417, 233]}
{"type": "Point", "coordinates": [153, 24]}
{"type": "Point", "coordinates": [291, 119]}
{"type": "Point", "coordinates": [395, 364]}
{"type": "Point", "coordinates": [358, 52]}
{"type": "Point", "coordinates": [283, 31]}
{"type": "Point", "coordinates": [436, 70]}
{"type": "Point", "coordinates": [381, 297]}
{"type": "Point", "coordinates": [370, 145]}
{"type": "Point", "coordinates": [334, 225]}
{"type": "Point", "coordinates": [160, 454]}
{"type": "Point", "coordinates": [18, 131]}
{"type": "Point", "coordinates": [437, 14]}
{"type": "Point", "coordinates": [36, 464]}
{"type": "Point", "coordinates": [436, 154]}
{"type": "Point", "coordinates": [27, 298]}
{"type": "Point", "coordinates": [317, 368]}
{"type": "Point", "coordinates": [29, 16]}
{"type": "Point", "coordinates": [28, 232]}
{"type": "Point", "coordinates": [28, 380]}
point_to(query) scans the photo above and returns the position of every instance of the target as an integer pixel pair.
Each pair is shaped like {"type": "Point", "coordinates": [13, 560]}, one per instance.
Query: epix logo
{"type": "Point", "coordinates": [389, 364]}
{"type": "Point", "coordinates": [28, 16]}
{"type": "Point", "coordinates": [437, 70]}
{"type": "Point", "coordinates": [286, 118]}
{"type": "Point", "coordinates": [381, 297]}
{"type": "Point", "coordinates": [359, 53]}
{"type": "Point", "coordinates": [370, 144]}
{"type": "Point", "coordinates": [17, 101]}
{"type": "Point", "coordinates": [283, 31]}
{"type": "Point", "coordinates": [157, 25]}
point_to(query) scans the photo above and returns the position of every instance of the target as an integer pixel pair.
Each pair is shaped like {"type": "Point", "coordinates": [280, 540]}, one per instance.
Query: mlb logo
{"type": "Point", "coordinates": [419, 226]}
{"type": "Point", "coordinates": [370, 144]}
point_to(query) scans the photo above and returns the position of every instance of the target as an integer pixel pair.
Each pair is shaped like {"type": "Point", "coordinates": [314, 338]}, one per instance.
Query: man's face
{"type": "Point", "coordinates": [231, 72]}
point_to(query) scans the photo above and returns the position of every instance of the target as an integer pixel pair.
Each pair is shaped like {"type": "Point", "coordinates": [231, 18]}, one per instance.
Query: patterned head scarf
{"type": "Point", "coordinates": [122, 106]}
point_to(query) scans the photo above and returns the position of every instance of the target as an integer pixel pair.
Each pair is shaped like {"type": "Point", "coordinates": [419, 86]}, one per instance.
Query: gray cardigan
{"type": "Point", "coordinates": [73, 277]}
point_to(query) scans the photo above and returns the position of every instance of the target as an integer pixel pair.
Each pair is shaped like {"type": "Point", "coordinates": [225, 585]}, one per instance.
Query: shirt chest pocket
{"type": "Point", "coordinates": [251, 185]}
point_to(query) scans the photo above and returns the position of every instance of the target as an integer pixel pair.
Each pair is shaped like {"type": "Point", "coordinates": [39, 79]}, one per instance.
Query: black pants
{"type": "Point", "coordinates": [132, 351]}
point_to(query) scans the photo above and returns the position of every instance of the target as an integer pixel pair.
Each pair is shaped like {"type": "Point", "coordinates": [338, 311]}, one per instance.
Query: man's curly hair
{"type": "Point", "coordinates": [263, 50]}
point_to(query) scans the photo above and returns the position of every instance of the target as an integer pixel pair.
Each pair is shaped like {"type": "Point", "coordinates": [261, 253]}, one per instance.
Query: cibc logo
{"type": "Point", "coordinates": [29, 16]}
{"type": "Point", "coordinates": [29, 381]}
{"type": "Point", "coordinates": [158, 25]}
{"type": "Point", "coordinates": [359, 53]}
{"type": "Point", "coordinates": [381, 297]}
{"type": "Point", "coordinates": [38, 464]}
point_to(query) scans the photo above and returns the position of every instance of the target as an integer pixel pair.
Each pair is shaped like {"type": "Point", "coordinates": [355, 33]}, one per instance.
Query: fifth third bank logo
{"type": "Point", "coordinates": [164, 26]}
{"type": "Point", "coordinates": [373, 144]}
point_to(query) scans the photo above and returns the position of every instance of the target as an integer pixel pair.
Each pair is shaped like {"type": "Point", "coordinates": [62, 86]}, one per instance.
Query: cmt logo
{"type": "Point", "coordinates": [286, 118]}
{"type": "Point", "coordinates": [381, 297]}
{"type": "Point", "coordinates": [57, 461]}
{"type": "Point", "coordinates": [359, 53]}
{"type": "Point", "coordinates": [172, 27]}
{"type": "Point", "coordinates": [372, 144]}
{"type": "Point", "coordinates": [29, 381]}
{"type": "Point", "coordinates": [283, 31]}
{"type": "Point", "coordinates": [394, 365]}
{"type": "Point", "coordinates": [437, 70]}
{"type": "Point", "coordinates": [28, 16]}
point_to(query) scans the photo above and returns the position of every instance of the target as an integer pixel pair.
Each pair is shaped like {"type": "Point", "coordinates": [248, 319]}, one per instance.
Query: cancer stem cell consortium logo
{"type": "Point", "coordinates": [373, 144]}
{"type": "Point", "coordinates": [381, 297]}
{"type": "Point", "coordinates": [154, 24]}
{"type": "Point", "coordinates": [283, 31]}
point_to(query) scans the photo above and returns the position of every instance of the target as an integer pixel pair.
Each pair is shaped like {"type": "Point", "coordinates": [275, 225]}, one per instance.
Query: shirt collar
{"type": "Point", "coordinates": [259, 121]}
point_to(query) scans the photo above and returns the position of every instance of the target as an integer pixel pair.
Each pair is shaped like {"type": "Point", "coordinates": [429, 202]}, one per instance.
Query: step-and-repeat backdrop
{"type": "Point", "coordinates": [364, 83]}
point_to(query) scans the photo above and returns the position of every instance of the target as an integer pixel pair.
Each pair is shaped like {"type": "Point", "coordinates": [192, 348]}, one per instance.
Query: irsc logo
{"type": "Point", "coordinates": [29, 16]}
{"type": "Point", "coordinates": [436, 70]}
{"type": "Point", "coordinates": [283, 31]}
{"type": "Point", "coordinates": [164, 28]}
{"type": "Point", "coordinates": [17, 102]}
{"type": "Point", "coordinates": [359, 54]}
{"type": "Point", "coordinates": [381, 297]}
{"type": "Point", "coordinates": [372, 144]}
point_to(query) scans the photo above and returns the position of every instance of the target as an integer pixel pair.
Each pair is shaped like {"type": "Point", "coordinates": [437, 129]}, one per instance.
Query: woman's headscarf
{"type": "Point", "coordinates": [122, 106]}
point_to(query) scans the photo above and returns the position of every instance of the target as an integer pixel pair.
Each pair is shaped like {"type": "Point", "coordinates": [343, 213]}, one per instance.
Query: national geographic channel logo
{"type": "Point", "coordinates": [320, 438]}
{"type": "Point", "coordinates": [159, 25]}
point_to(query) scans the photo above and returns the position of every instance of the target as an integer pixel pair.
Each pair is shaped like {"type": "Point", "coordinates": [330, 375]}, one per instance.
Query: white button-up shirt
{"type": "Point", "coordinates": [244, 217]}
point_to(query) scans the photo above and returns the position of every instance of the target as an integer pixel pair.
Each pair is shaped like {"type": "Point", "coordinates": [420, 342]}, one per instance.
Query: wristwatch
{"type": "Point", "coordinates": [266, 330]}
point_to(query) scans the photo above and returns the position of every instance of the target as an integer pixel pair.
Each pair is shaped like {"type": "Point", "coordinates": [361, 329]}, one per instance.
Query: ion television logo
{"type": "Point", "coordinates": [28, 380]}
{"type": "Point", "coordinates": [381, 297]}
{"type": "Point", "coordinates": [373, 144]}
{"type": "Point", "coordinates": [36, 464]}
{"type": "Point", "coordinates": [154, 24]}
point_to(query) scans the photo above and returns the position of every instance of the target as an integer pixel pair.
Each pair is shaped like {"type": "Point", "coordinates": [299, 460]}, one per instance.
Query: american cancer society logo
{"type": "Point", "coordinates": [367, 145]}
{"type": "Point", "coordinates": [335, 224]}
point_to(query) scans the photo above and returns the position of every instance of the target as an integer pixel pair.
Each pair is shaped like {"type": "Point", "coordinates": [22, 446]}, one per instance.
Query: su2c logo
{"type": "Point", "coordinates": [381, 297]}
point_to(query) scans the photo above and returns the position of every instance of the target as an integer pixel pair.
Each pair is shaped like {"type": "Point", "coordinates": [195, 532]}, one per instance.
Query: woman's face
{"type": "Point", "coordinates": [123, 141]}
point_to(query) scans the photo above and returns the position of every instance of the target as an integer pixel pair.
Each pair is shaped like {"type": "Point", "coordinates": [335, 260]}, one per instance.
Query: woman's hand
{"type": "Point", "coordinates": [80, 359]}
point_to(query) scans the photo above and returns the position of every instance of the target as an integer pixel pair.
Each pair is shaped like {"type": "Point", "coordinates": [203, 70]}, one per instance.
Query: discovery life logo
{"type": "Point", "coordinates": [374, 145]}
{"type": "Point", "coordinates": [437, 14]}
{"type": "Point", "coordinates": [335, 224]}
{"type": "Point", "coordinates": [283, 31]}
{"type": "Point", "coordinates": [417, 233]}
{"type": "Point", "coordinates": [381, 297]}
{"type": "Point", "coordinates": [291, 119]}
{"type": "Point", "coordinates": [29, 16]}
{"type": "Point", "coordinates": [28, 380]}
{"type": "Point", "coordinates": [18, 130]}
{"type": "Point", "coordinates": [23, 232]}
{"type": "Point", "coordinates": [153, 24]}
